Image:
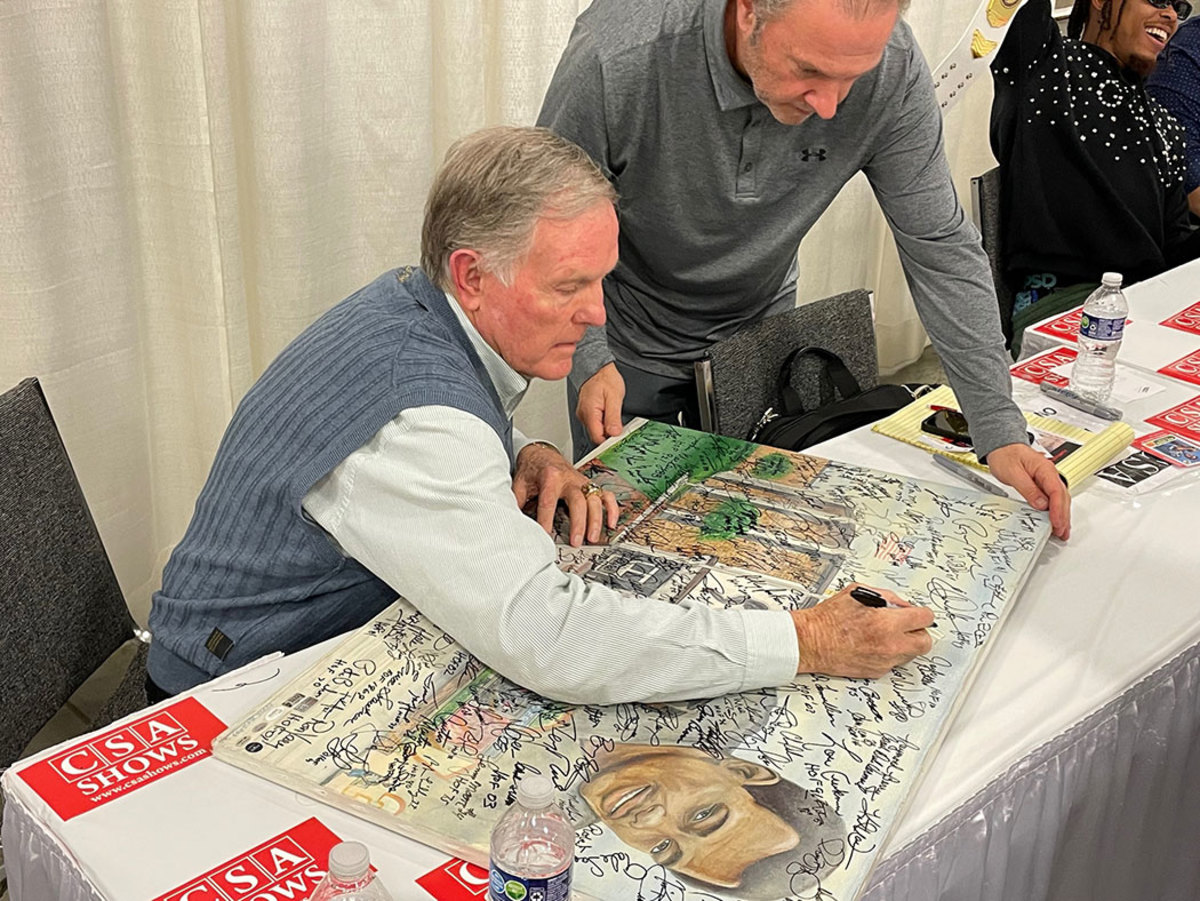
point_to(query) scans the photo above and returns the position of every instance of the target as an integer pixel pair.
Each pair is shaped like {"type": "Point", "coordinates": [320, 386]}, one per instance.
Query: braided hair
{"type": "Point", "coordinates": [1077, 22]}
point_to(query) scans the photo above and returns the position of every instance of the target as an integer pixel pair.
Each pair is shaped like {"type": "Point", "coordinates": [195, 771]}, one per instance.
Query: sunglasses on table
{"type": "Point", "coordinates": [1183, 8]}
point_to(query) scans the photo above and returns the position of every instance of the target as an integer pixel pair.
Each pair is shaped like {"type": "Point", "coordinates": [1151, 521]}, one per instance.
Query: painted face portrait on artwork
{"type": "Point", "coordinates": [725, 823]}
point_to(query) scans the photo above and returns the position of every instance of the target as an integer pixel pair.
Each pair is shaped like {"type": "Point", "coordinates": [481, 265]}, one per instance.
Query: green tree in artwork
{"type": "Point", "coordinates": [772, 466]}
{"type": "Point", "coordinates": [656, 455]}
{"type": "Point", "coordinates": [730, 519]}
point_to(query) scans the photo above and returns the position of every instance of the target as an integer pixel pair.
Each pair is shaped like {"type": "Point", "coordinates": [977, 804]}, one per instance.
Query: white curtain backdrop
{"type": "Point", "coordinates": [186, 184]}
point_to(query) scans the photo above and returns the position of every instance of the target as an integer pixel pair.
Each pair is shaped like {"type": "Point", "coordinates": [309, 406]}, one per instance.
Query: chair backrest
{"type": "Point", "coordinates": [985, 210]}
{"type": "Point", "coordinates": [61, 610]}
{"type": "Point", "coordinates": [738, 379]}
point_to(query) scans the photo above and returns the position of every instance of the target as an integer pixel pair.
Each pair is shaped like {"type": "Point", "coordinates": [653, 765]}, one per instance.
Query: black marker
{"type": "Point", "coordinates": [871, 598]}
{"type": "Point", "coordinates": [868, 597]}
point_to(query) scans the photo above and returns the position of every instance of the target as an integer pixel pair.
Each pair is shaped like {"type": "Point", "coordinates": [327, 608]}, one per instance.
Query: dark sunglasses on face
{"type": "Point", "coordinates": [1183, 8]}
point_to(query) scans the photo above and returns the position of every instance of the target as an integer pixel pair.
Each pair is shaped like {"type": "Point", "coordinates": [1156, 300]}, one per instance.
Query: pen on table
{"type": "Point", "coordinates": [868, 597]}
{"type": "Point", "coordinates": [1071, 398]}
{"type": "Point", "coordinates": [966, 474]}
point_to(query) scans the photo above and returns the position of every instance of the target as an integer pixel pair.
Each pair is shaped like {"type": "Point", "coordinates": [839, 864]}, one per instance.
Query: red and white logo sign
{"type": "Point", "coordinates": [1186, 369]}
{"type": "Point", "coordinates": [1041, 368]}
{"type": "Point", "coordinates": [1184, 418]}
{"type": "Point", "coordinates": [1185, 320]}
{"type": "Point", "coordinates": [114, 763]}
{"type": "Point", "coordinates": [456, 880]}
{"type": "Point", "coordinates": [285, 868]}
{"type": "Point", "coordinates": [1065, 326]}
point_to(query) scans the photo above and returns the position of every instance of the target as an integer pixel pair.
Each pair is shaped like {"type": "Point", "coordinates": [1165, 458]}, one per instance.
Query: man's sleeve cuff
{"type": "Point", "coordinates": [772, 654]}
{"type": "Point", "coordinates": [521, 441]}
{"type": "Point", "coordinates": [1017, 433]}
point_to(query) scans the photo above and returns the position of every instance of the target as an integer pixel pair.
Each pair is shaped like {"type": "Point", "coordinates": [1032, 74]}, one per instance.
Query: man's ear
{"type": "Point", "coordinates": [1091, 24]}
{"type": "Point", "coordinates": [744, 12]}
{"type": "Point", "coordinates": [465, 268]}
{"type": "Point", "coordinates": [750, 773]}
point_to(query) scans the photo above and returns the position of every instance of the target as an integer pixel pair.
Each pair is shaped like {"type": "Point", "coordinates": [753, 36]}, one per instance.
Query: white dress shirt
{"type": "Point", "coordinates": [427, 505]}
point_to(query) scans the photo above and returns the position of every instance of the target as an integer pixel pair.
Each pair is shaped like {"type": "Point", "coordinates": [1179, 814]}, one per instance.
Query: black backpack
{"type": "Point", "coordinates": [794, 428]}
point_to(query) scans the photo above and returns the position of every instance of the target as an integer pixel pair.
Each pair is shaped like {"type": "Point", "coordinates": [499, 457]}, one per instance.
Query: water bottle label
{"type": "Point", "coordinates": [503, 886]}
{"type": "Point", "coordinates": [1099, 329]}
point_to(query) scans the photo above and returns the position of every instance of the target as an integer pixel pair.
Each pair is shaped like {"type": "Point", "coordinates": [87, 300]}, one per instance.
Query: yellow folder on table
{"type": "Point", "coordinates": [1091, 451]}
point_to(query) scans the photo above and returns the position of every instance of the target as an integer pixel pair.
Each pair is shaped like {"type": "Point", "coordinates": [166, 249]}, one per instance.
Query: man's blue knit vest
{"type": "Point", "coordinates": [252, 574]}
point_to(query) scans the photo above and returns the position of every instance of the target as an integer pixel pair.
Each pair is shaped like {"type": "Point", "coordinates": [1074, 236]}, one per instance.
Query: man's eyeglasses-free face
{"type": "Point", "coordinates": [1183, 8]}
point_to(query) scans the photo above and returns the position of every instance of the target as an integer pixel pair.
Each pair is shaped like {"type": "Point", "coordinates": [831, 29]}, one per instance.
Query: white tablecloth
{"type": "Point", "coordinates": [1070, 771]}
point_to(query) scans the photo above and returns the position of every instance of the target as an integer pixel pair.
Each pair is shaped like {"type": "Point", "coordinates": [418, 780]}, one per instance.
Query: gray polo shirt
{"type": "Point", "coordinates": [716, 195]}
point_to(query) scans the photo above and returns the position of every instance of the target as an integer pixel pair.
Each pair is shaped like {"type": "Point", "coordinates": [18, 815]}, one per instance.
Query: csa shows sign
{"type": "Point", "coordinates": [114, 763]}
{"type": "Point", "coordinates": [284, 868]}
{"type": "Point", "coordinates": [456, 880]}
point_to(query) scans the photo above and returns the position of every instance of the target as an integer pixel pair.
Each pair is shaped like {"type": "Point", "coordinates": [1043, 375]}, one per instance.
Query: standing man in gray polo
{"type": "Point", "coordinates": [728, 127]}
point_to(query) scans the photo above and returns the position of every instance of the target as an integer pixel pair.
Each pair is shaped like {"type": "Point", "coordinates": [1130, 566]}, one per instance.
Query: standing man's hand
{"type": "Point", "coordinates": [1032, 474]}
{"type": "Point", "coordinates": [599, 406]}
{"type": "Point", "coordinates": [841, 637]}
{"type": "Point", "coordinates": [543, 473]}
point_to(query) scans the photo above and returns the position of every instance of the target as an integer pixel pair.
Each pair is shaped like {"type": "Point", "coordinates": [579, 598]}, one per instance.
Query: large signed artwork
{"type": "Point", "coordinates": [780, 793]}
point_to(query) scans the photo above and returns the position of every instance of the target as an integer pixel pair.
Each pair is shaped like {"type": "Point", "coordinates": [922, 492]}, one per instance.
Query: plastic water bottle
{"type": "Point", "coordinates": [349, 876]}
{"type": "Point", "coordinates": [1100, 331]}
{"type": "Point", "coordinates": [533, 847]}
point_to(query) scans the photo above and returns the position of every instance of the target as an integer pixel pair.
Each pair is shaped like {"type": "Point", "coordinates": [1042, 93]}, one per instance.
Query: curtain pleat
{"type": "Point", "coordinates": [1106, 811]}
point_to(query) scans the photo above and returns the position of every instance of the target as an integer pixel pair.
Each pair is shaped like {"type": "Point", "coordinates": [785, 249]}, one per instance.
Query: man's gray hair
{"type": "Point", "coordinates": [766, 10]}
{"type": "Point", "coordinates": [492, 189]}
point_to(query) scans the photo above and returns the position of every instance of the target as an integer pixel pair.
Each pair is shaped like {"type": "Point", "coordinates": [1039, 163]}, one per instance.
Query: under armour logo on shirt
{"type": "Point", "coordinates": [815, 153]}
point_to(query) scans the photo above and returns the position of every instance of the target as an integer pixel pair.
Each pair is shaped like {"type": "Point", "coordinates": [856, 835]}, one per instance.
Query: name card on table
{"type": "Point", "coordinates": [1186, 369]}
{"type": "Point", "coordinates": [1065, 326]}
{"type": "Point", "coordinates": [285, 868]}
{"type": "Point", "coordinates": [1182, 419]}
{"type": "Point", "coordinates": [108, 766]}
{"type": "Point", "coordinates": [1042, 367]}
{"type": "Point", "coordinates": [456, 880]}
{"type": "Point", "coordinates": [1187, 320]}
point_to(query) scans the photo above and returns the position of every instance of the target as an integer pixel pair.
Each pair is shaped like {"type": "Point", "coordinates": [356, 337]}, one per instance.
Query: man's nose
{"type": "Point", "coordinates": [591, 309]}
{"type": "Point", "coordinates": [824, 101]}
{"type": "Point", "coordinates": [649, 816]}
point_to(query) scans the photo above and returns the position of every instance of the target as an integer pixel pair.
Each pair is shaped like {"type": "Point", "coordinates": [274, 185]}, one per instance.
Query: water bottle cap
{"type": "Point", "coordinates": [1113, 279]}
{"type": "Point", "coordinates": [535, 791]}
{"type": "Point", "coordinates": [349, 860]}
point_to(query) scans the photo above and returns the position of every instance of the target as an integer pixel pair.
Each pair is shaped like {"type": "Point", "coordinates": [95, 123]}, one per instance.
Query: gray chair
{"type": "Point", "coordinates": [985, 210]}
{"type": "Point", "coordinates": [738, 379]}
{"type": "Point", "coordinates": [62, 613]}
